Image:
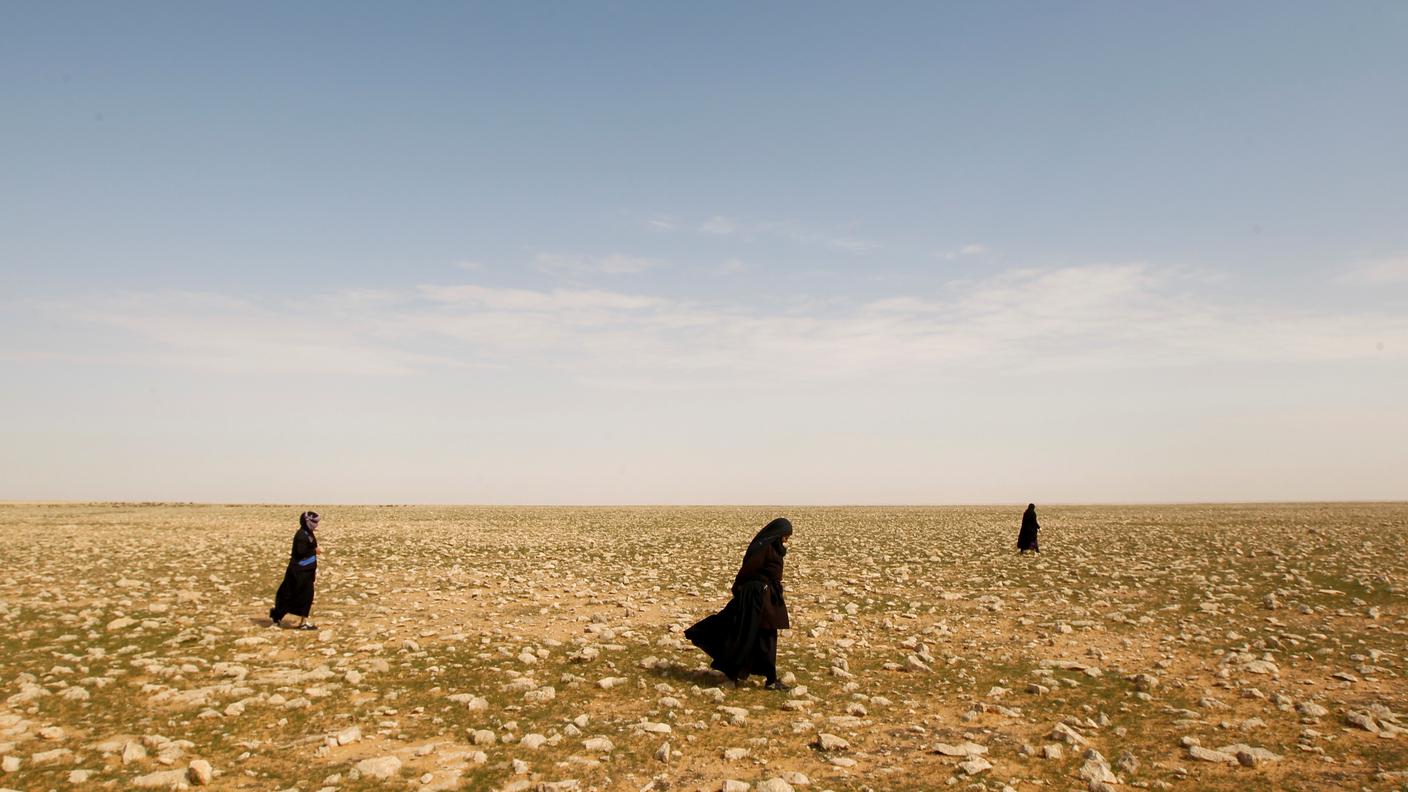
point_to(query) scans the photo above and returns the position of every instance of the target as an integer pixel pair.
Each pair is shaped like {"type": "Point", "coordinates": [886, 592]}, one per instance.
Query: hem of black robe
{"type": "Point", "coordinates": [730, 637]}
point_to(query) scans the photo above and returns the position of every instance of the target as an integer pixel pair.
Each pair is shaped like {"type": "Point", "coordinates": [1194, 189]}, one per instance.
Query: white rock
{"type": "Point", "coordinates": [1362, 720]}
{"type": "Point", "coordinates": [1310, 709]}
{"type": "Point", "coordinates": [381, 767]}
{"type": "Point", "coordinates": [1096, 769]}
{"type": "Point", "coordinates": [199, 772]}
{"type": "Point", "coordinates": [598, 744]}
{"type": "Point", "coordinates": [1067, 735]}
{"type": "Point", "coordinates": [975, 766]}
{"type": "Point", "coordinates": [1254, 754]}
{"type": "Point", "coordinates": [132, 752]}
{"type": "Point", "coordinates": [1208, 755]}
{"type": "Point", "coordinates": [470, 701]}
{"type": "Point", "coordinates": [962, 749]}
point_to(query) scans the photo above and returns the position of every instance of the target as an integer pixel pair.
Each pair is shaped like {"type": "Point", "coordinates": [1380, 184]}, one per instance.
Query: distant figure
{"type": "Point", "coordinates": [1026, 538]}
{"type": "Point", "coordinates": [742, 638]}
{"type": "Point", "coordinates": [296, 592]}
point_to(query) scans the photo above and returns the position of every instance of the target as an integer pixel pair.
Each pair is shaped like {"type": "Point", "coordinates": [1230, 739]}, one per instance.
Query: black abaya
{"type": "Point", "coordinates": [295, 593]}
{"type": "Point", "coordinates": [1026, 537]}
{"type": "Point", "coordinates": [741, 639]}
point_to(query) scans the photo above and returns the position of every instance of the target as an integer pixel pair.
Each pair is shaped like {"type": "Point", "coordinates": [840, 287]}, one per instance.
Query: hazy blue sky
{"type": "Point", "coordinates": [686, 253]}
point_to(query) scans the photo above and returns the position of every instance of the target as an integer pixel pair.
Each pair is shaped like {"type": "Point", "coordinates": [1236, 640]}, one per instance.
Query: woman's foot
{"type": "Point", "coordinates": [274, 620]}
{"type": "Point", "coordinates": [307, 626]}
{"type": "Point", "coordinates": [776, 684]}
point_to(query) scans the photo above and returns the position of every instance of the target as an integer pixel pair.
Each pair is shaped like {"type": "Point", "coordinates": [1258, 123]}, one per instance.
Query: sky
{"type": "Point", "coordinates": [780, 253]}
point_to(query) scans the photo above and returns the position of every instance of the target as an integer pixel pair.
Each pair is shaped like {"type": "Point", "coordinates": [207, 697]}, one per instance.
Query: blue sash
{"type": "Point", "coordinates": [309, 561]}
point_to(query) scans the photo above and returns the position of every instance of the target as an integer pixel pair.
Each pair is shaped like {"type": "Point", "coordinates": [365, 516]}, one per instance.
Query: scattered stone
{"type": "Point", "coordinates": [133, 751]}
{"type": "Point", "coordinates": [1362, 720]}
{"type": "Point", "coordinates": [1063, 733]}
{"type": "Point", "coordinates": [598, 745]}
{"type": "Point", "coordinates": [963, 749]}
{"type": "Point", "coordinates": [199, 772]}
{"type": "Point", "coordinates": [975, 766]}
{"type": "Point", "coordinates": [382, 767]}
{"type": "Point", "coordinates": [1208, 755]}
{"type": "Point", "coordinates": [1096, 769]}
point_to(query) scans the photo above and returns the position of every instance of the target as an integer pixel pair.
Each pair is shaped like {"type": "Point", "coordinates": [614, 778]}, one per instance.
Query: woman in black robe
{"type": "Point", "coordinates": [1026, 537]}
{"type": "Point", "coordinates": [742, 638]}
{"type": "Point", "coordinates": [295, 594]}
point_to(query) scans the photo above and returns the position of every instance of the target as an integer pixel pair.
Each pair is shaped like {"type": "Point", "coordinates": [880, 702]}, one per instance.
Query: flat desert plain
{"type": "Point", "coordinates": [1241, 647]}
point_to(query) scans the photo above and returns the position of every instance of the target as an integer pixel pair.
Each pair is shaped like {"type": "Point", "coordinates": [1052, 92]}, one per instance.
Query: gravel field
{"type": "Point", "coordinates": [1237, 647]}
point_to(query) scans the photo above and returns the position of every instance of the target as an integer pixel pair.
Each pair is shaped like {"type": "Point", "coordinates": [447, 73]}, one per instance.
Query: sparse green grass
{"type": "Point", "coordinates": [464, 583]}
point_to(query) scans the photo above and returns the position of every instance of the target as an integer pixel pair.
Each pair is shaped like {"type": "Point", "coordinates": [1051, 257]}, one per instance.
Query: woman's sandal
{"type": "Point", "coordinates": [307, 626]}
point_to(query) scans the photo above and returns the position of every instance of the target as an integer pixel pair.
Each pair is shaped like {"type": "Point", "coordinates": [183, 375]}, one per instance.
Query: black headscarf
{"type": "Point", "coordinates": [308, 521]}
{"type": "Point", "coordinates": [771, 534]}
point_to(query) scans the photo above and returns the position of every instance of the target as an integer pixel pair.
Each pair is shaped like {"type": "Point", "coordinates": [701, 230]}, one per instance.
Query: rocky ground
{"type": "Point", "coordinates": [1189, 647]}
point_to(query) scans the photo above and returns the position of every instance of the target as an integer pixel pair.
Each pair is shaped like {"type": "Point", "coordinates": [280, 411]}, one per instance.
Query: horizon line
{"type": "Point", "coordinates": [643, 505]}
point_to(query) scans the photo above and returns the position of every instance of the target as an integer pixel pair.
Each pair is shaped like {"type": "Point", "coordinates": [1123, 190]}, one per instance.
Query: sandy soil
{"type": "Point", "coordinates": [1189, 647]}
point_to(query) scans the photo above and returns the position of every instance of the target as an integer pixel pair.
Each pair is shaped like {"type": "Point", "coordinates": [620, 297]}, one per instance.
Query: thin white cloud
{"type": "Point", "coordinates": [851, 244]}
{"type": "Point", "coordinates": [1378, 272]}
{"type": "Point", "coordinates": [613, 264]}
{"type": "Point", "coordinates": [538, 301]}
{"type": "Point", "coordinates": [973, 249]}
{"type": "Point", "coordinates": [720, 225]}
{"type": "Point", "coordinates": [1107, 316]}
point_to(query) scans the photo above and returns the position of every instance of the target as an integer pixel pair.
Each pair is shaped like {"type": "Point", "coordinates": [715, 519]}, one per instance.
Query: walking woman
{"type": "Point", "coordinates": [296, 592]}
{"type": "Point", "coordinates": [1026, 537]}
{"type": "Point", "coordinates": [742, 638]}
